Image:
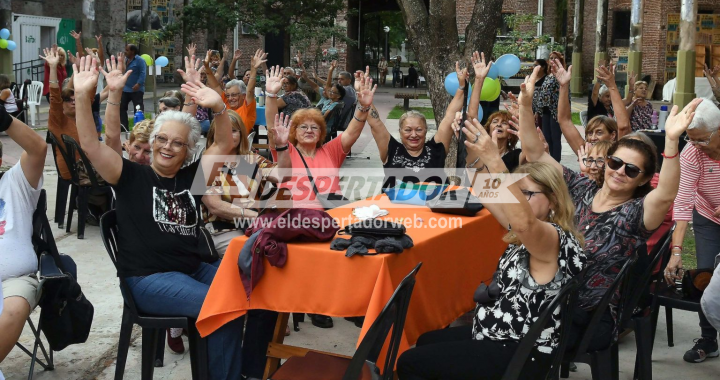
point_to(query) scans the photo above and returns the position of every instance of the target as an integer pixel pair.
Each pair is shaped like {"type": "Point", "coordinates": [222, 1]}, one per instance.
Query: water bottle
{"type": "Point", "coordinates": [261, 103]}
{"type": "Point", "coordinates": [139, 115]}
{"type": "Point", "coordinates": [654, 119]}
{"type": "Point", "coordinates": [663, 117]}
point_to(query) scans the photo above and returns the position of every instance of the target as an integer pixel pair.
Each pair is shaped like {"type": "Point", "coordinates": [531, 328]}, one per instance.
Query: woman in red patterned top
{"type": "Point", "coordinates": [699, 201]}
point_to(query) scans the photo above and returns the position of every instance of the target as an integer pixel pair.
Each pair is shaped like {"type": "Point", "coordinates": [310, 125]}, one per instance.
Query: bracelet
{"type": "Point", "coordinates": [676, 246]}
{"type": "Point", "coordinates": [356, 118]}
{"type": "Point", "coordinates": [269, 95]}
{"type": "Point", "coordinates": [473, 164]}
{"type": "Point", "coordinates": [221, 112]}
{"type": "Point", "coordinates": [363, 109]}
{"type": "Point", "coordinates": [282, 148]}
{"type": "Point", "coordinates": [676, 254]}
{"type": "Point", "coordinates": [676, 154]}
{"type": "Point", "coordinates": [461, 88]}
{"type": "Point", "coordinates": [112, 104]}
{"type": "Point", "coordinates": [53, 82]}
{"type": "Point", "coordinates": [189, 104]}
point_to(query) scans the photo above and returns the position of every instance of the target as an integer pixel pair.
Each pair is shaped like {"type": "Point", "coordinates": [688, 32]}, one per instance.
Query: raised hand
{"type": "Point", "coordinates": [462, 74]}
{"type": "Point", "coordinates": [632, 79]}
{"type": "Point", "coordinates": [563, 76]}
{"type": "Point", "coordinates": [191, 66]}
{"type": "Point", "coordinates": [51, 56]}
{"type": "Point", "coordinates": [333, 64]}
{"type": "Point", "coordinates": [121, 60]}
{"type": "Point", "coordinates": [678, 122]}
{"type": "Point", "coordinates": [75, 34]}
{"type": "Point", "coordinates": [359, 76]}
{"type": "Point", "coordinates": [226, 51]}
{"type": "Point", "coordinates": [582, 154]}
{"type": "Point", "coordinates": [85, 77]}
{"type": "Point", "coordinates": [258, 59]}
{"type": "Point", "coordinates": [481, 68]}
{"type": "Point", "coordinates": [273, 80]}
{"type": "Point", "coordinates": [202, 95]}
{"type": "Point", "coordinates": [527, 89]}
{"type": "Point", "coordinates": [606, 75]}
{"type": "Point", "coordinates": [710, 75]}
{"type": "Point", "coordinates": [192, 49]}
{"type": "Point", "coordinates": [478, 142]}
{"type": "Point", "coordinates": [457, 124]}
{"type": "Point", "coordinates": [512, 105]}
{"type": "Point", "coordinates": [98, 38]}
{"type": "Point", "coordinates": [299, 58]}
{"type": "Point", "coordinates": [367, 91]}
{"type": "Point", "coordinates": [237, 54]}
{"type": "Point", "coordinates": [207, 57]}
{"type": "Point", "coordinates": [72, 58]}
{"type": "Point", "coordinates": [281, 130]}
{"type": "Point", "coordinates": [115, 77]}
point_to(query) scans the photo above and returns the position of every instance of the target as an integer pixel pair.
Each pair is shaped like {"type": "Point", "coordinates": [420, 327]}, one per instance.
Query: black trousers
{"type": "Point", "coordinates": [259, 330]}
{"type": "Point", "coordinates": [136, 98]}
{"type": "Point", "coordinates": [553, 134]}
{"type": "Point", "coordinates": [452, 354]}
{"type": "Point", "coordinates": [603, 331]}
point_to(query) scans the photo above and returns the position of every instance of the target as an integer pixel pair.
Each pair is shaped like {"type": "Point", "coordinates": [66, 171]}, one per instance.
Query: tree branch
{"type": "Point", "coordinates": [485, 21]}
{"type": "Point", "coordinates": [443, 16]}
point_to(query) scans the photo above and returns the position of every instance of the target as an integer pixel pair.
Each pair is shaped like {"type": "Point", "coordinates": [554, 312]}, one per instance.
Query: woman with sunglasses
{"type": "Point", "coordinates": [699, 201]}
{"type": "Point", "coordinates": [619, 216]}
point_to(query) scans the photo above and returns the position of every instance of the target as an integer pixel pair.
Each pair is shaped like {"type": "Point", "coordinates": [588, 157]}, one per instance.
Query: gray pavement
{"type": "Point", "coordinates": [96, 358]}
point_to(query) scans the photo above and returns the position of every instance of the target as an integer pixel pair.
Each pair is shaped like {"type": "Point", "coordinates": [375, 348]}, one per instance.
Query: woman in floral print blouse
{"type": "Point", "coordinates": [640, 109]}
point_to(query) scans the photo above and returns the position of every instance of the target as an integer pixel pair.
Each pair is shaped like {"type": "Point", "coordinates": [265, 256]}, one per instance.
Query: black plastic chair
{"type": "Point", "coordinates": [565, 298]}
{"type": "Point", "coordinates": [153, 327]}
{"type": "Point", "coordinates": [63, 185]}
{"type": "Point", "coordinates": [363, 363]}
{"type": "Point", "coordinates": [79, 194]}
{"type": "Point", "coordinates": [604, 363]}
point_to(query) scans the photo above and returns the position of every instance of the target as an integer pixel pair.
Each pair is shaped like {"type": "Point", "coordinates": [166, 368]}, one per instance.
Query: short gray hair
{"type": "Point", "coordinates": [184, 118]}
{"type": "Point", "coordinates": [707, 116]}
{"type": "Point", "coordinates": [345, 74]}
{"type": "Point", "coordinates": [412, 114]}
{"type": "Point", "coordinates": [603, 90]}
{"type": "Point", "coordinates": [170, 101]}
{"type": "Point", "coordinates": [242, 87]}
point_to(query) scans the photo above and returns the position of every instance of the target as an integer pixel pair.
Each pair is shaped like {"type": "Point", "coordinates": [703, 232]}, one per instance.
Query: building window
{"type": "Point", "coordinates": [621, 29]}
{"type": "Point", "coordinates": [505, 28]}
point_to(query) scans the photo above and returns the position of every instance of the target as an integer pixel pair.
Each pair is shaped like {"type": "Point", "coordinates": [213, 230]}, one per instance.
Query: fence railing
{"type": "Point", "coordinates": [33, 70]}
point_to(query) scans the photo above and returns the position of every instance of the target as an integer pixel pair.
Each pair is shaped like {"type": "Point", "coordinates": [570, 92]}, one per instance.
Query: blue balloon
{"type": "Point", "coordinates": [451, 83]}
{"type": "Point", "coordinates": [161, 61]}
{"type": "Point", "coordinates": [11, 45]}
{"type": "Point", "coordinates": [4, 34]}
{"type": "Point", "coordinates": [508, 65]}
{"type": "Point", "coordinates": [493, 73]}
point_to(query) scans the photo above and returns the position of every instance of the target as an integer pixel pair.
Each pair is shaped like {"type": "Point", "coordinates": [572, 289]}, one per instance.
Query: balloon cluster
{"type": "Point", "coordinates": [161, 61]}
{"type": "Point", "coordinates": [4, 42]}
{"type": "Point", "coordinates": [506, 66]}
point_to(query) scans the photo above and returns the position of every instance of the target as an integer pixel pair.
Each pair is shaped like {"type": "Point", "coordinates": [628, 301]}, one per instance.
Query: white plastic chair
{"type": "Point", "coordinates": [34, 96]}
{"type": "Point", "coordinates": [251, 137]}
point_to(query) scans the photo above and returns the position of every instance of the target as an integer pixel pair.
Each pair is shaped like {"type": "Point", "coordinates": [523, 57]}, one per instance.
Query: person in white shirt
{"type": "Point", "coordinates": [19, 192]}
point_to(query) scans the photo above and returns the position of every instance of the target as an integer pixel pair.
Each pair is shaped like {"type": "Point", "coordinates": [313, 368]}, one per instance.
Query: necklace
{"type": "Point", "coordinates": [158, 177]}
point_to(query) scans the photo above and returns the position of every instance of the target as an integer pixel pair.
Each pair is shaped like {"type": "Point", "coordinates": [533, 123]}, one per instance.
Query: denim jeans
{"type": "Point", "coordinates": [205, 125]}
{"type": "Point", "coordinates": [179, 294]}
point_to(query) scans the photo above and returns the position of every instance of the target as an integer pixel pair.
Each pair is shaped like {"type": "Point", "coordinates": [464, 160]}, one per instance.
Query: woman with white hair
{"type": "Point", "coordinates": [698, 200]}
{"type": "Point", "coordinates": [160, 249]}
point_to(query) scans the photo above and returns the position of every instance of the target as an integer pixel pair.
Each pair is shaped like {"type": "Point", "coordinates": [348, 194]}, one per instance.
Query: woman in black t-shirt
{"type": "Point", "coordinates": [599, 102]}
{"type": "Point", "coordinates": [159, 245]}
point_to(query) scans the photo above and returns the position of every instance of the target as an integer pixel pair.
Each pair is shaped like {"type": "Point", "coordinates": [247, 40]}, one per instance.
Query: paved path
{"type": "Point", "coordinates": [96, 358]}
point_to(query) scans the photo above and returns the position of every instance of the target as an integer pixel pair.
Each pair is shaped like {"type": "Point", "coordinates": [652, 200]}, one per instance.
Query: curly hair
{"type": "Point", "coordinates": [302, 115]}
{"type": "Point", "coordinates": [512, 140]}
{"type": "Point", "coordinates": [184, 118]}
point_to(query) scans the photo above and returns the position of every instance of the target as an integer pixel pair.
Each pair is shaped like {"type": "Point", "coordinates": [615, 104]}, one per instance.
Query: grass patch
{"type": "Point", "coordinates": [689, 259]}
{"type": "Point", "coordinates": [576, 118]}
{"type": "Point", "coordinates": [399, 111]}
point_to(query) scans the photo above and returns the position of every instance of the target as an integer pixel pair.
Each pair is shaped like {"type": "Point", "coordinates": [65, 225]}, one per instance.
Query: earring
{"type": "Point", "coordinates": [551, 215]}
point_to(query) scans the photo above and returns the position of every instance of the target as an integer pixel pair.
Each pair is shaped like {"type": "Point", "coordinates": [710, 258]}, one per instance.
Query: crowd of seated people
{"type": "Point", "coordinates": [563, 222]}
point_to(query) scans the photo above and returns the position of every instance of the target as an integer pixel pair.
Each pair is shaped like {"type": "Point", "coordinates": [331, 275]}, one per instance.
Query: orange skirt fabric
{"type": "Point", "coordinates": [458, 253]}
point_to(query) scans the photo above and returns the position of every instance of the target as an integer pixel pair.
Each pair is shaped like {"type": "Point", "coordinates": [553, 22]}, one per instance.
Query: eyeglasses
{"type": "Point", "coordinates": [235, 95]}
{"type": "Point", "coordinates": [529, 194]}
{"type": "Point", "coordinates": [305, 128]}
{"type": "Point", "coordinates": [332, 92]}
{"type": "Point", "coordinates": [175, 145]}
{"type": "Point", "coordinates": [631, 170]}
{"type": "Point", "coordinates": [600, 162]}
{"type": "Point", "coordinates": [703, 143]}
{"type": "Point", "coordinates": [69, 100]}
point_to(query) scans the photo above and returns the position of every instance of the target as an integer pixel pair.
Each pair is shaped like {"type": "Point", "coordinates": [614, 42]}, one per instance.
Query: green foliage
{"type": "Point", "coordinates": [521, 40]}
{"type": "Point", "coordinates": [147, 37]}
{"type": "Point", "coordinates": [398, 111]}
{"type": "Point", "coordinates": [215, 16]}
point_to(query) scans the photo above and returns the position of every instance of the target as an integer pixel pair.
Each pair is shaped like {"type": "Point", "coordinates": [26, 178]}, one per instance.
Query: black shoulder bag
{"type": "Point", "coordinates": [328, 201]}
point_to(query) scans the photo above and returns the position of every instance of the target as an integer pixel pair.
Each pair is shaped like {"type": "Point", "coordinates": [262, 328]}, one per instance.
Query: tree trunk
{"type": "Point", "coordinates": [6, 56]}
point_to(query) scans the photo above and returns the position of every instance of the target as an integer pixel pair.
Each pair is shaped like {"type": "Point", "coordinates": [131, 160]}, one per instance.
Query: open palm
{"type": "Point", "coordinates": [281, 130]}
{"type": "Point", "coordinates": [563, 76]}
{"type": "Point", "coordinates": [51, 56]}
{"type": "Point", "coordinates": [528, 88]}
{"type": "Point", "coordinates": [115, 78]}
{"type": "Point", "coordinates": [204, 96]}
{"type": "Point", "coordinates": [191, 74]}
{"type": "Point", "coordinates": [273, 82]}
{"type": "Point", "coordinates": [367, 92]}
{"type": "Point", "coordinates": [678, 122]}
{"type": "Point", "coordinates": [481, 68]}
{"type": "Point", "coordinates": [85, 77]}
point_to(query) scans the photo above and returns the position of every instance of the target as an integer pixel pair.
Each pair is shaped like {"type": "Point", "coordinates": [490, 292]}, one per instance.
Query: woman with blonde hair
{"type": "Point", "coordinates": [545, 251]}
{"type": "Point", "coordinates": [640, 109]}
{"type": "Point", "coordinates": [61, 72]}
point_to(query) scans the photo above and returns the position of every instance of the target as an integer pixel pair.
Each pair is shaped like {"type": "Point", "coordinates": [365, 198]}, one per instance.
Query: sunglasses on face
{"type": "Point", "coordinates": [69, 100]}
{"type": "Point", "coordinates": [600, 162]}
{"type": "Point", "coordinates": [703, 143]}
{"type": "Point", "coordinates": [631, 170]}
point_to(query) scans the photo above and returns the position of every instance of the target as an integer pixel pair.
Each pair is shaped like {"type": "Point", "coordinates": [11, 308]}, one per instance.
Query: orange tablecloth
{"type": "Point", "coordinates": [318, 280]}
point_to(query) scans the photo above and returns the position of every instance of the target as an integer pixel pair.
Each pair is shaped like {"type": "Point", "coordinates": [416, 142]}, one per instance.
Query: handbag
{"type": "Point", "coordinates": [328, 201]}
{"type": "Point", "coordinates": [374, 227]}
{"type": "Point", "coordinates": [456, 202]}
{"type": "Point", "coordinates": [694, 283]}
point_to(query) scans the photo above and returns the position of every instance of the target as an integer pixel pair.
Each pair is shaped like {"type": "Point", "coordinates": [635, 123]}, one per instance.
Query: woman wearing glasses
{"type": "Point", "coordinates": [619, 216]}
{"type": "Point", "coordinates": [699, 201]}
{"type": "Point", "coordinates": [160, 248]}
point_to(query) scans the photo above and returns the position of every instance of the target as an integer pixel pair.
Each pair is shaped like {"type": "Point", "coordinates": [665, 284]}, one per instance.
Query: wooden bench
{"type": "Point", "coordinates": [406, 99]}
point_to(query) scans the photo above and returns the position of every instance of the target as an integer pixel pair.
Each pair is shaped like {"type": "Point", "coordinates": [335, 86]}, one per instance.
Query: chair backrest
{"type": "Point", "coordinates": [67, 157]}
{"type": "Point", "coordinates": [563, 300]}
{"type": "Point", "coordinates": [251, 138]}
{"type": "Point", "coordinates": [109, 234]}
{"type": "Point", "coordinates": [55, 147]}
{"type": "Point", "coordinates": [333, 122]}
{"type": "Point", "coordinates": [73, 148]}
{"type": "Point", "coordinates": [392, 316]}
{"type": "Point", "coordinates": [35, 92]}
{"type": "Point", "coordinates": [604, 303]}
{"type": "Point", "coordinates": [346, 117]}
{"type": "Point", "coordinates": [583, 118]}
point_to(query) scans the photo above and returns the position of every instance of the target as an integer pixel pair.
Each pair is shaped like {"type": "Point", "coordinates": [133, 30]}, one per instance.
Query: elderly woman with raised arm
{"type": "Point", "coordinates": [699, 201]}
{"type": "Point", "coordinates": [619, 216]}
{"type": "Point", "coordinates": [160, 251]}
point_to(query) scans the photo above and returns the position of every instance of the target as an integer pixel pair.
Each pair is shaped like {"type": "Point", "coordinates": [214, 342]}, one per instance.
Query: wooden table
{"type": "Point", "coordinates": [318, 280]}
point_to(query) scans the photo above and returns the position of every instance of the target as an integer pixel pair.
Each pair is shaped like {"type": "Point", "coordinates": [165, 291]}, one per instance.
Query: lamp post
{"type": "Point", "coordinates": [387, 51]}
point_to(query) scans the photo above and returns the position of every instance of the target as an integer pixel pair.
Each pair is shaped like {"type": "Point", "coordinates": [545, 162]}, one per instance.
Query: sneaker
{"type": "Point", "coordinates": [176, 344]}
{"type": "Point", "coordinates": [704, 348]}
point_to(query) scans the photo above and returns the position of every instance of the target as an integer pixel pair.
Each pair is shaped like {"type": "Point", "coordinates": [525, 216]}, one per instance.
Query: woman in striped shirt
{"type": "Point", "coordinates": [699, 200]}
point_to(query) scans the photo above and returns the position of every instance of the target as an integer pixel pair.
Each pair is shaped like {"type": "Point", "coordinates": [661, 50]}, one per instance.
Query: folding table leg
{"type": "Point", "coordinates": [278, 337]}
